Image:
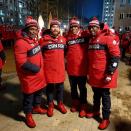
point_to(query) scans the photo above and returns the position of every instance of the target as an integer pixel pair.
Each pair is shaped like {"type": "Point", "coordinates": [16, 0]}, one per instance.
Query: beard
{"type": "Point", "coordinates": [33, 36]}
{"type": "Point", "coordinates": [55, 33]}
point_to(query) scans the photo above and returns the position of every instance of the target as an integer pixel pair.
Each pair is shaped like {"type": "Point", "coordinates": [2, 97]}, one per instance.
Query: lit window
{"type": "Point", "coordinates": [2, 19]}
{"type": "Point", "coordinates": [11, 7]}
{"type": "Point", "coordinates": [129, 2]}
{"type": "Point", "coordinates": [105, 19]}
{"type": "Point", "coordinates": [21, 22]}
{"type": "Point", "coordinates": [20, 5]}
{"type": "Point", "coordinates": [123, 2]}
{"type": "Point", "coordinates": [1, 12]}
{"type": "Point", "coordinates": [12, 19]}
{"type": "Point", "coordinates": [20, 15]}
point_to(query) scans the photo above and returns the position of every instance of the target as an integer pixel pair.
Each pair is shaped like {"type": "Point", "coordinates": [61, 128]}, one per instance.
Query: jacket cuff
{"type": "Point", "coordinates": [113, 64]}
{"type": "Point", "coordinates": [30, 67]}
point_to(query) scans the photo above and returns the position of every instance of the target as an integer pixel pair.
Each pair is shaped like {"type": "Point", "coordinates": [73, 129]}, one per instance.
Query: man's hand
{"type": "Point", "coordinates": [108, 78]}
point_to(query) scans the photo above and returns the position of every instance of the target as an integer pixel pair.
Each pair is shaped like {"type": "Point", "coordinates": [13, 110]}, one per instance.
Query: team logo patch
{"type": "Point", "coordinates": [114, 42]}
{"type": "Point", "coordinates": [115, 64]}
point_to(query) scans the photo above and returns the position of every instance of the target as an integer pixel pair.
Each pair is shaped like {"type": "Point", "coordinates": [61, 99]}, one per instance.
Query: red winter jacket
{"type": "Point", "coordinates": [76, 53]}
{"type": "Point", "coordinates": [53, 58]}
{"type": "Point", "coordinates": [102, 50]}
{"type": "Point", "coordinates": [129, 50]}
{"type": "Point", "coordinates": [2, 56]}
{"type": "Point", "coordinates": [29, 65]}
{"type": "Point", "coordinates": [125, 40]}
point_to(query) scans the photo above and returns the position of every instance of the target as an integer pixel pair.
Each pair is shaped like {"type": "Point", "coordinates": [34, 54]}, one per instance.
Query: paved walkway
{"type": "Point", "coordinates": [11, 115]}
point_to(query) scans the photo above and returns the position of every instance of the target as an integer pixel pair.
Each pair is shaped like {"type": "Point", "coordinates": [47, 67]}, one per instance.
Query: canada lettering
{"type": "Point", "coordinates": [77, 41]}
{"type": "Point", "coordinates": [56, 46]}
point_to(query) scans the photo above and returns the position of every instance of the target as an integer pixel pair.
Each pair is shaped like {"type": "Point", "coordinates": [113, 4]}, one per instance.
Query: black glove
{"type": "Point", "coordinates": [30, 67]}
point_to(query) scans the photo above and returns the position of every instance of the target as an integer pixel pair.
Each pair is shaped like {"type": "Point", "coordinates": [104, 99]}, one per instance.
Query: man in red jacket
{"type": "Point", "coordinates": [103, 56]}
{"type": "Point", "coordinates": [2, 60]}
{"type": "Point", "coordinates": [125, 45]}
{"type": "Point", "coordinates": [53, 45]}
{"type": "Point", "coordinates": [29, 66]}
{"type": "Point", "coordinates": [76, 66]}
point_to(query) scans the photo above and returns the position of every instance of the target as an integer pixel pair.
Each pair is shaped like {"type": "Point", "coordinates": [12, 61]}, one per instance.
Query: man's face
{"type": "Point", "coordinates": [33, 31]}
{"type": "Point", "coordinates": [74, 29]}
{"type": "Point", "coordinates": [55, 30]}
{"type": "Point", "coordinates": [94, 30]}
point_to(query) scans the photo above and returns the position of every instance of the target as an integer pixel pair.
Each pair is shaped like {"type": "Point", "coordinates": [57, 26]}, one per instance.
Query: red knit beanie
{"type": "Point", "coordinates": [30, 22]}
{"type": "Point", "coordinates": [55, 21]}
{"type": "Point", "coordinates": [74, 22]}
{"type": "Point", "coordinates": [94, 22]}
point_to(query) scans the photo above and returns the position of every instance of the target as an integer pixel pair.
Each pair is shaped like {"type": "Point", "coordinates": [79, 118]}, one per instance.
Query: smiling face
{"type": "Point", "coordinates": [94, 30]}
{"type": "Point", "coordinates": [55, 30]}
{"type": "Point", "coordinates": [33, 31]}
{"type": "Point", "coordinates": [74, 29]}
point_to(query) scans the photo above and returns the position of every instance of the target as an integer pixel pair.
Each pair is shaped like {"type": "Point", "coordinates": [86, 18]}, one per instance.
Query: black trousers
{"type": "Point", "coordinates": [79, 81]}
{"type": "Point", "coordinates": [31, 100]}
{"type": "Point", "coordinates": [123, 52]}
{"type": "Point", "coordinates": [103, 93]}
{"type": "Point", "coordinates": [59, 87]}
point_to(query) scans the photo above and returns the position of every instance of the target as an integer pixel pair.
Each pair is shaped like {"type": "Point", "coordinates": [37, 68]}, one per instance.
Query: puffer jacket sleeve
{"type": "Point", "coordinates": [20, 51]}
{"type": "Point", "coordinates": [114, 54]}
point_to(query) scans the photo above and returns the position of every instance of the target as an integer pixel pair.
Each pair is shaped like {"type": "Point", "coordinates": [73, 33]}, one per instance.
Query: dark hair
{"type": "Point", "coordinates": [101, 25]}
{"type": "Point", "coordinates": [46, 32]}
{"type": "Point", "coordinates": [0, 35]}
{"type": "Point", "coordinates": [25, 29]}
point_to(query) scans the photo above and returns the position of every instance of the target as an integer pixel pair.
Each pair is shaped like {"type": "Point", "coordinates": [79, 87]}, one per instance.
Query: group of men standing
{"type": "Point", "coordinates": [126, 46]}
{"type": "Point", "coordinates": [89, 56]}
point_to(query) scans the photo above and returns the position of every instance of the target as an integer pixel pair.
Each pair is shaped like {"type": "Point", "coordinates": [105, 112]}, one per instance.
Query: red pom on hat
{"type": "Point", "coordinates": [94, 18]}
{"type": "Point", "coordinates": [94, 22]}
{"type": "Point", "coordinates": [74, 22]}
{"type": "Point", "coordinates": [30, 22]}
{"type": "Point", "coordinates": [55, 21]}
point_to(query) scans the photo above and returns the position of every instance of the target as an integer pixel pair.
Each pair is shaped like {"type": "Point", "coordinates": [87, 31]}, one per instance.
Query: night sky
{"type": "Point", "coordinates": [91, 8]}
